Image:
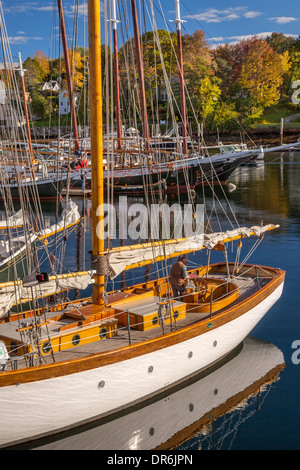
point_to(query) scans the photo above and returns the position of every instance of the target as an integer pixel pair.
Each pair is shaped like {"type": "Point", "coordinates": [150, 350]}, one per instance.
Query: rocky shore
{"type": "Point", "coordinates": [259, 136]}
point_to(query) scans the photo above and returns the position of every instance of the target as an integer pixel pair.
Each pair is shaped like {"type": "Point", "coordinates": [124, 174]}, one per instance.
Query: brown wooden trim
{"type": "Point", "coordinates": [224, 408]}
{"type": "Point", "coordinates": [131, 351]}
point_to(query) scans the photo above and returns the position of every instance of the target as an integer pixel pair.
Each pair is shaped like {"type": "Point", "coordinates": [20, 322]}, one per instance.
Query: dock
{"type": "Point", "coordinates": [78, 192]}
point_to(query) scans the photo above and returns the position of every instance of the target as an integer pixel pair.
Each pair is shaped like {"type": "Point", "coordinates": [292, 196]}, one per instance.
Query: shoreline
{"type": "Point", "coordinates": [259, 136]}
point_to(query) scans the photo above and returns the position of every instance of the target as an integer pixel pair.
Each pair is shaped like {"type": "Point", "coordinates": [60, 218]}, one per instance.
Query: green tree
{"type": "Point", "coordinates": [280, 42]}
{"type": "Point", "coordinates": [40, 105]}
{"type": "Point", "coordinates": [34, 74]}
{"type": "Point", "coordinates": [225, 116]}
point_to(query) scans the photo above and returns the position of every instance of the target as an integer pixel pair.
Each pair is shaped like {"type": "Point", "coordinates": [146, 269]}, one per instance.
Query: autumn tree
{"type": "Point", "coordinates": [295, 61]}
{"type": "Point", "coordinates": [227, 64]}
{"type": "Point", "coordinates": [262, 75]}
{"type": "Point", "coordinates": [78, 70]}
{"type": "Point", "coordinates": [202, 84]}
{"type": "Point", "coordinates": [203, 92]}
{"type": "Point", "coordinates": [43, 62]}
{"type": "Point", "coordinates": [195, 47]}
{"type": "Point", "coordinates": [158, 55]}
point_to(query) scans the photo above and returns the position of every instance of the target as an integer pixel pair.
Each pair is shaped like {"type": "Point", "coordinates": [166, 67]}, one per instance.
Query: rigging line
{"type": "Point", "coordinates": [251, 251]}
{"type": "Point", "coordinates": [176, 59]}
{"type": "Point", "coordinates": [171, 96]}
{"type": "Point", "coordinates": [110, 96]}
{"type": "Point", "coordinates": [210, 184]}
{"type": "Point", "coordinates": [185, 170]}
{"type": "Point", "coordinates": [208, 34]}
{"type": "Point", "coordinates": [12, 77]}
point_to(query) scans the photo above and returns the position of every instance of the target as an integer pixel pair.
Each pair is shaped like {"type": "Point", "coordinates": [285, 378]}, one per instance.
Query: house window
{"type": "Point", "coordinates": [164, 96]}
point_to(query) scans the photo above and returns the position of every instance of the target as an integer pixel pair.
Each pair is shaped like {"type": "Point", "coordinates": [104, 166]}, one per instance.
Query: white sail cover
{"type": "Point", "coordinates": [14, 220]}
{"type": "Point", "coordinates": [70, 215]}
{"type": "Point", "coordinates": [12, 293]}
{"type": "Point", "coordinates": [10, 249]}
{"type": "Point", "coordinates": [118, 261]}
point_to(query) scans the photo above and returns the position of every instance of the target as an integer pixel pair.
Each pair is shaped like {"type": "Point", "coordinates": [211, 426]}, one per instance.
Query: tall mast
{"type": "Point", "coordinates": [96, 146]}
{"type": "Point", "coordinates": [68, 71]}
{"type": "Point", "coordinates": [141, 74]}
{"type": "Point", "coordinates": [178, 23]}
{"type": "Point", "coordinates": [21, 72]}
{"type": "Point", "coordinates": [116, 70]}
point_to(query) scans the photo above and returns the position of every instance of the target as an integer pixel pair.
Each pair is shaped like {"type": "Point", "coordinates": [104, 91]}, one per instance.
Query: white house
{"type": "Point", "coordinates": [52, 85]}
{"type": "Point", "coordinates": [9, 117]}
{"type": "Point", "coordinates": [64, 103]}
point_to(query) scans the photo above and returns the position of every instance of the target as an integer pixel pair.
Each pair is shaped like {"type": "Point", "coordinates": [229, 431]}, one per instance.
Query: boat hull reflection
{"type": "Point", "coordinates": [177, 415]}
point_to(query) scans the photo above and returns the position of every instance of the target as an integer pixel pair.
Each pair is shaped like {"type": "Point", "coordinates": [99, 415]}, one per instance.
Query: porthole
{"type": "Point", "coordinates": [175, 314]}
{"type": "Point", "coordinates": [151, 431]}
{"type": "Point", "coordinates": [150, 369]}
{"type": "Point", "coordinates": [46, 347]}
{"type": "Point", "coordinates": [76, 340]}
{"type": "Point", "coordinates": [154, 320]}
{"type": "Point", "coordinates": [190, 354]}
{"type": "Point", "coordinates": [101, 384]}
{"type": "Point", "coordinates": [13, 348]}
{"type": "Point", "coordinates": [216, 391]}
{"type": "Point", "coordinates": [191, 407]}
{"type": "Point", "coordinates": [209, 325]}
{"type": "Point", "coordinates": [215, 343]}
{"type": "Point", "coordinates": [103, 333]}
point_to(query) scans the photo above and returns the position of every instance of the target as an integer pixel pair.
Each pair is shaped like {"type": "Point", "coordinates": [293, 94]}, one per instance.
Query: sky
{"type": "Point", "coordinates": [33, 25]}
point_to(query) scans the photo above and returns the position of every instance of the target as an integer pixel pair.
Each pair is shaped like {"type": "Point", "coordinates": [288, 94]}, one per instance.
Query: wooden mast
{"type": "Point", "coordinates": [68, 71]}
{"type": "Point", "coordinates": [178, 23]}
{"type": "Point", "coordinates": [141, 75]}
{"type": "Point", "coordinates": [21, 72]}
{"type": "Point", "coordinates": [116, 70]}
{"type": "Point", "coordinates": [96, 146]}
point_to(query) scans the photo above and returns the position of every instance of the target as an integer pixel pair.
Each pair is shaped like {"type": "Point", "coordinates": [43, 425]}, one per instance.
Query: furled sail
{"type": "Point", "coordinates": [16, 220]}
{"type": "Point", "coordinates": [69, 217]}
{"type": "Point", "coordinates": [12, 293]}
{"type": "Point", "coordinates": [16, 246]}
{"type": "Point", "coordinates": [129, 257]}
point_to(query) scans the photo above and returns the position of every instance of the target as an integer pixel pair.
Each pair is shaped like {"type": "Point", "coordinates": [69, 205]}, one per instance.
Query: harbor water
{"type": "Point", "coordinates": [250, 400]}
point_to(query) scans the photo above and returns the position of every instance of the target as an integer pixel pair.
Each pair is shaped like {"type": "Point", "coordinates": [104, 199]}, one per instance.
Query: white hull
{"type": "Point", "coordinates": [168, 418]}
{"type": "Point", "coordinates": [39, 408]}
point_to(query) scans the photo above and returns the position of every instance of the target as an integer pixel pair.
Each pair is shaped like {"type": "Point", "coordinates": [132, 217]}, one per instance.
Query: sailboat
{"type": "Point", "coordinates": [172, 174]}
{"type": "Point", "coordinates": [67, 365]}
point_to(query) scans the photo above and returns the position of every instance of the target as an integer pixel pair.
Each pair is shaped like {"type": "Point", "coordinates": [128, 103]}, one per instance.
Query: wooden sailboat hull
{"type": "Point", "coordinates": [196, 171]}
{"type": "Point", "coordinates": [242, 373]}
{"type": "Point", "coordinates": [43, 400]}
{"type": "Point", "coordinates": [45, 189]}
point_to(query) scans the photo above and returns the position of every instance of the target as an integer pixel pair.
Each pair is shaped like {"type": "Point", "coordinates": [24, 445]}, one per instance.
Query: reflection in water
{"type": "Point", "coordinates": [272, 188]}
{"type": "Point", "coordinates": [189, 417]}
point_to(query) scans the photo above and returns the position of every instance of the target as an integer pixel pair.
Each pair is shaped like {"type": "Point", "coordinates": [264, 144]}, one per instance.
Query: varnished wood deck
{"type": "Point", "coordinates": [247, 286]}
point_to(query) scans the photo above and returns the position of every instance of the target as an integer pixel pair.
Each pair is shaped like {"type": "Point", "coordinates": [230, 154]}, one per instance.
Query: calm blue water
{"type": "Point", "coordinates": [276, 425]}
{"type": "Point", "coordinates": [268, 414]}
